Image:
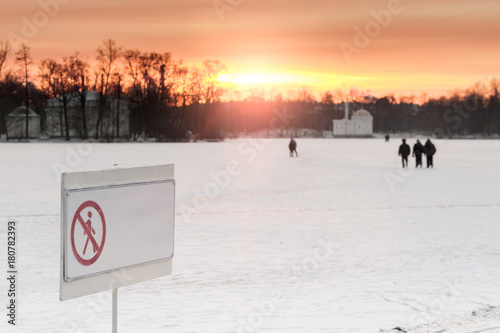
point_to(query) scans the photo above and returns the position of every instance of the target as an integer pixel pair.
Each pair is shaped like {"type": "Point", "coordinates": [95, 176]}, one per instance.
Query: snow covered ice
{"type": "Point", "coordinates": [340, 239]}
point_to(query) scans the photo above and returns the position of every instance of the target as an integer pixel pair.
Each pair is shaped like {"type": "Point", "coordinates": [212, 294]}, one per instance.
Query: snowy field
{"type": "Point", "coordinates": [336, 240]}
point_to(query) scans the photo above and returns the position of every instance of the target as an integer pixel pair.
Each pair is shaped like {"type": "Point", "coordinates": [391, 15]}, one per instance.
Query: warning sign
{"type": "Point", "coordinates": [88, 233]}
{"type": "Point", "coordinates": [117, 228]}
{"type": "Point", "coordinates": [112, 227]}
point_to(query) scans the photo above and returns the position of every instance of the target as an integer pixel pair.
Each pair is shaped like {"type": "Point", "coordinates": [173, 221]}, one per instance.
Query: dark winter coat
{"type": "Point", "coordinates": [292, 145]}
{"type": "Point", "coordinates": [404, 150]}
{"type": "Point", "coordinates": [430, 148]}
{"type": "Point", "coordinates": [418, 149]}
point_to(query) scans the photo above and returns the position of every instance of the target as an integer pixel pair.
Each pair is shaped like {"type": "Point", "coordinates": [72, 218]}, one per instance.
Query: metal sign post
{"type": "Point", "coordinates": [115, 310]}
{"type": "Point", "coordinates": [117, 228]}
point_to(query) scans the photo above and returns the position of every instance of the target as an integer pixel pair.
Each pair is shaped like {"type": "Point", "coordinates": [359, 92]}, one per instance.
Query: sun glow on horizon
{"type": "Point", "coordinates": [377, 84]}
{"type": "Point", "coordinates": [247, 79]}
{"type": "Point", "coordinates": [286, 80]}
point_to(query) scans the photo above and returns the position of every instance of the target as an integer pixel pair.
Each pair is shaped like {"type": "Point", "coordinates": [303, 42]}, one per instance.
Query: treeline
{"type": "Point", "coordinates": [158, 89]}
{"type": "Point", "coordinates": [469, 112]}
{"type": "Point", "coordinates": [168, 99]}
{"type": "Point", "coordinates": [474, 111]}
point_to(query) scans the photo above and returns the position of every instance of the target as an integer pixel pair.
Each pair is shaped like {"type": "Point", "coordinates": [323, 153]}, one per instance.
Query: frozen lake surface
{"type": "Point", "coordinates": [339, 239]}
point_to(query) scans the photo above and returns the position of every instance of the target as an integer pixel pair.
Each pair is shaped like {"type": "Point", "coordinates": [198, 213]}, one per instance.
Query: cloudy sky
{"type": "Point", "coordinates": [401, 47]}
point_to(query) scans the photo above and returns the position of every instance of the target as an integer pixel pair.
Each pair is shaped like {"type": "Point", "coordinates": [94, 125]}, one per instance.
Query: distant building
{"type": "Point", "coordinates": [115, 119]}
{"type": "Point", "coordinates": [360, 125]}
{"type": "Point", "coordinates": [16, 124]}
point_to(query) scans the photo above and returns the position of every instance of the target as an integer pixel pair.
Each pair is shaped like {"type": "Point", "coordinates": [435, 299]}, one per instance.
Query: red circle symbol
{"type": "Point", "coordinates": [85, 221]}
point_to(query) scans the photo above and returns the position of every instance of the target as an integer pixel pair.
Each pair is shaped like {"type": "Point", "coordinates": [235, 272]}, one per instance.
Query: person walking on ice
{"type": "Point", "coordinates": [430, 150]}
{"type": "Point", "coordinates": [404, 152]}
{"type": "Point", "coordinates": [293, 147]}
{"type": "Point", "coordinates": [418, 149]}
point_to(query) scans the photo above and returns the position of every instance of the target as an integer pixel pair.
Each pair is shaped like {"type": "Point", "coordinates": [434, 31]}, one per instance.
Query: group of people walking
{"type": "Point", "coordinates": [418, 150]}
{"type": "Point", "coordinates": [404, 151]}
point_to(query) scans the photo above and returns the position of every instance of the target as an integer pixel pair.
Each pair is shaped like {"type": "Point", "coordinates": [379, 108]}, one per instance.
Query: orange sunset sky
{"type": "Point", "coordinates": [415, 46]}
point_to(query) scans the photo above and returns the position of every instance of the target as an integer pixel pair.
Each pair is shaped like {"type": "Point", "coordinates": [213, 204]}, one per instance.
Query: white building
{"type": "Point", "coordinates": [116, 115]}
{"type": "Point", "coordinates": [16, 123]}
{"type": "Point", "coordinates": [360, 125]}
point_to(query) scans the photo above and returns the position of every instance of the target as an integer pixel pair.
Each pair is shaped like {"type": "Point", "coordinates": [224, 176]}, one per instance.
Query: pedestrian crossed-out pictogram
{"type": "Point", "coordinates": [88, 233]}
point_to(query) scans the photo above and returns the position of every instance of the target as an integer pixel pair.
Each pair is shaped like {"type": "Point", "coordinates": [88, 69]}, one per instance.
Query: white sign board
{"type": "Point", "coordinates": [117, 228]}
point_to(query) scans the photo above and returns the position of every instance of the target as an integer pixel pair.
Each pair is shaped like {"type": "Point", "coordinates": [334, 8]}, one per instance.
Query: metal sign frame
{"type": "Point", "coordinates": [113, 279]}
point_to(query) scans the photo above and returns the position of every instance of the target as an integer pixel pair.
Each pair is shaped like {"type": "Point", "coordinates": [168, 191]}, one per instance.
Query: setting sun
{"type": "Point", "coordinates": [284, 82]}
{"type": "Point", "coordinates": [288, 80]}
{"type": "Point", "coordinates": [243, 81]}
{"type": "Point", "coordinates": [248, 79]}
